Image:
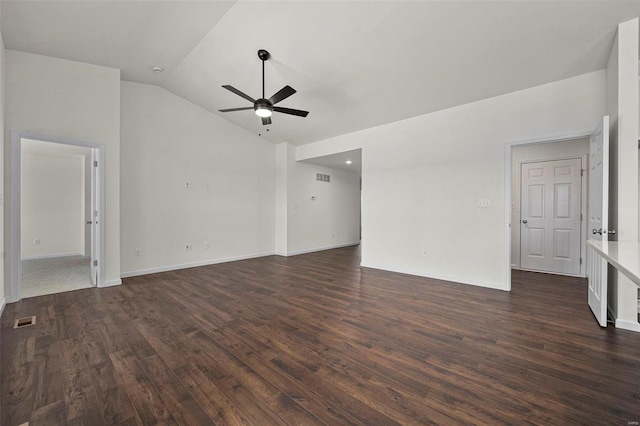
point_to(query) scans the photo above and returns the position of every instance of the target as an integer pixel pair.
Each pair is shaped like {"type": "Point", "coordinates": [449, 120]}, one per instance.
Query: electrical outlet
{"type": "Point", "coordinates": [188, 247]}
{"type": "Point", "coordinates": [188, 185]}
{"type": "Point", "coordinates": [333, 235]}
{"type": "Point", "coordinates": [295, 206]}
{"type": "Point", "coordinates": [36, 241]}
{"type": "Point", "coordinates": [425, 253]}
{"type": "Point", "coordinates": [207, 246]}
{"type": "Point", "coordinates": [138, 252]}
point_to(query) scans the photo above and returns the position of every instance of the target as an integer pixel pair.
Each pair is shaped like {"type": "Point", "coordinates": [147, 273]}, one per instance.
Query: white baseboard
{"type": "Point", "coordinates": [627, 325]}
{"type": "Point", "coordinates": [110, 283]}
{"type": "Point", "coordinates": [192, 265]}
{"type": "Point", "coordinates": [454, 280]}
{"type": "Point", "coordinates": [52, 256]}
{"type": "Point", "coordinates": [3, 303]}
{"type": "Point", "coordinates": [315, 249]}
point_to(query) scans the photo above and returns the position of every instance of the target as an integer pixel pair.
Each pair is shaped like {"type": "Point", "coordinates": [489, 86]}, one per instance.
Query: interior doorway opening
{"type": "Point", "coordinates": [55, 222]}
{"type": "Point", "coordinates": [55, 218]}
{"type": "Point", "coordinates": [548, 207]}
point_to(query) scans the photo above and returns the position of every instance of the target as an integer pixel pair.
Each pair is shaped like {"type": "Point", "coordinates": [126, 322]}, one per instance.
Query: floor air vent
{"type": "Point", "coordinates": [25, 322]}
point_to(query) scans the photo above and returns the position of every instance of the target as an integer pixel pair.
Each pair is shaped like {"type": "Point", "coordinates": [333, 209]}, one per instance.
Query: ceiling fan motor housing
{"type": "Point", "coordinates": [263, 105]}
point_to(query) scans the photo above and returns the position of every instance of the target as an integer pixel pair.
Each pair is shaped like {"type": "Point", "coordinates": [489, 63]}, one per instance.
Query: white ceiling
{"type": "Point", "coordinates": [133, 36]}
{"type": "Point", "coordinates": [339, 161]}
{"type": "Point", "coordinates": [355, 64]}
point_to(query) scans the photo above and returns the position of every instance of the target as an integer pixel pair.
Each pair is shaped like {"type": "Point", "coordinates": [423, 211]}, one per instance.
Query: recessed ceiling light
{"type": "Point", "coordinates": [157, 69]}
{"type": "Point", "coordinates": [349, 161]}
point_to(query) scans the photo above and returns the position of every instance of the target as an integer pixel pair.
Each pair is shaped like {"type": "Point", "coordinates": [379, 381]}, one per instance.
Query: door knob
{"type": "Point", "coordinates": [524, 221]}
{"type": "Point", "coordinates": [597, 231]}
{"type": "Point", "coordinates": [89, 222]}
{"type": "Point", "coordinates": [610, 231]}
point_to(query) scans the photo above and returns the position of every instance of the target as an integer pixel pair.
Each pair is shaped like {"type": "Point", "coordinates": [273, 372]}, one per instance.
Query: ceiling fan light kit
{"type": "Point", "coordinates": [263, 107]}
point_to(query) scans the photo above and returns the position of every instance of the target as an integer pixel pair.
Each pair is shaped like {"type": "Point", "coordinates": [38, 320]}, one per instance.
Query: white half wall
{"type": "Point", "coordinates": [422, 178]}
{"type": "Point", "coordinates": [538, 152]}
{"type": "Point", "coordinates": [228, 210]}
{"type": "Point", "coordinates": [69, 100]}
{"type": "Point", "coordinates": [52, 202]}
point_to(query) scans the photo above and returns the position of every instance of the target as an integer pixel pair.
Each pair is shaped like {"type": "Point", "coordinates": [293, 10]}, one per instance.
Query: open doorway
{"type": "Point", "coordinates": [548, 207]}
{"type": "Point", "coordinates": [336, 211]}
{"type": "Point", "coordinates": [57, 199]}
{"type": "Point", "coordinates": [55, 218]}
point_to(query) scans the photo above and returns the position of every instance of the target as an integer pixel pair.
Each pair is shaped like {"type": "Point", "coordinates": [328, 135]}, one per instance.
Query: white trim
{"type": "Point", "coordinates": [450, 279]}
{"type": "Point", "coordinates": [561, 137]}
{"type": "Point", "coordinates": [585, 217]}
{"type": "Point", "coordinates": [3, 303]}
{"type": "Point", "coordinates": [507, 214]}
{"type": "Point", "coordinates": [193, 265]}
{"type": "Point", "coordinates": [313, 250]}
{"type": "Point", "coordinates": [12, 286]}
{"type": "Point", "coordinates": [52, 256]}
{"type": "Point", "coordinates": [110, 283]}
{"type": "Point", "coordinates": [628, 325]}
{"type": "Point", "coordinates": [562, 274]}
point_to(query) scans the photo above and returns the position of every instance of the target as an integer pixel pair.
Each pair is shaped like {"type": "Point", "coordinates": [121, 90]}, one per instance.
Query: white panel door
{"type": "Point", "coordinates": [598, 218]}
{"type": "Point", "coordinates": [551, 198]}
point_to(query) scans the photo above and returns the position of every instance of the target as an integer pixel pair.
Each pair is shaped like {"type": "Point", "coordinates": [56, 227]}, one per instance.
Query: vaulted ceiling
{"type": "Point", "coordinates": [355, 64]}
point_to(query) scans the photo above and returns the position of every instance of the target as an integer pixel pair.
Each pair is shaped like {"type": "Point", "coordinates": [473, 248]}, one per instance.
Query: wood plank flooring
{"type": "Point", "coordinates": [314, 339]}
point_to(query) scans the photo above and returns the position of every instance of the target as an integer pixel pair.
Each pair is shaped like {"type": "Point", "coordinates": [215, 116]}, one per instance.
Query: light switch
{"type": "Point", "coordinates": [484, 202]}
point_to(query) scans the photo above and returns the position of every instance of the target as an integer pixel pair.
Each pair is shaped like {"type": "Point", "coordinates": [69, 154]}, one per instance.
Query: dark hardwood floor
{"type": "Point", "coordinates": [313, 339]}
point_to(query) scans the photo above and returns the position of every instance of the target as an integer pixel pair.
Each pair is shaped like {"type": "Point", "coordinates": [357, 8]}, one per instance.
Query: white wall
{"type": "Point", "coordinates": [52, 203]}
{"type": "Point", "coordinates": [2, 168]}
{"type": "Point", "coordinates": [285, 155]}
{"type": "Point", "coordinates": [422, 178]}
{"type": "Point", "coordinates": [168, 141]}
{"type": "Point", "coordinates": [622, 106]}
{"type": "Point", "coordinates": [69, 100]}
{"type": "Point", "coordinates": [537, 152]}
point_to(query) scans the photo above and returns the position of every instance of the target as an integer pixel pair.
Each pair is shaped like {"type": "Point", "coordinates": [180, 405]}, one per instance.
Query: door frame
{"type": "Point", "coordinates": [14, 273]}
{"type": "Point", "coordinates": [508, 148]}
{"type": "Point", "coordinates": [583, 210]}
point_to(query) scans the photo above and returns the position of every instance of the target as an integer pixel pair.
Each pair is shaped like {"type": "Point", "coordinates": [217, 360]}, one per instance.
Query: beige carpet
{"type": "Point", "coordinates": [54, 275]}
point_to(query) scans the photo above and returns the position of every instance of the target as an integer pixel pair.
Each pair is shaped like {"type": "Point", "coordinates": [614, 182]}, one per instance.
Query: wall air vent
{"type": "Point", "coordinates": [323, 178]}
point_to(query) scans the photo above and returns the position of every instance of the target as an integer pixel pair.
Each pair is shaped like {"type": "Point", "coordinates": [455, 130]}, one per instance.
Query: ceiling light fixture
{"type": "Point", "coordinates": [157, 69]}
{"type": "Point", "coordinates": [349, 161]}
{"type": "Point", "coordinates": [263, 108]}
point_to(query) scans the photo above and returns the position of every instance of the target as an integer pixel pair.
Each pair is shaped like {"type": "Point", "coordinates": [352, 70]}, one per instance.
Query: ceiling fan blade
{"type": "Point", "coordinates": [235, 109]}
{"type": "Point", "coordinates": [290, 111]}
{"type": "Point", "coordinates": [239, 93]}
{"type": "Point", "coordinates": [266, 120]}
{"type": "Point", "coordinates": [283, 94]}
